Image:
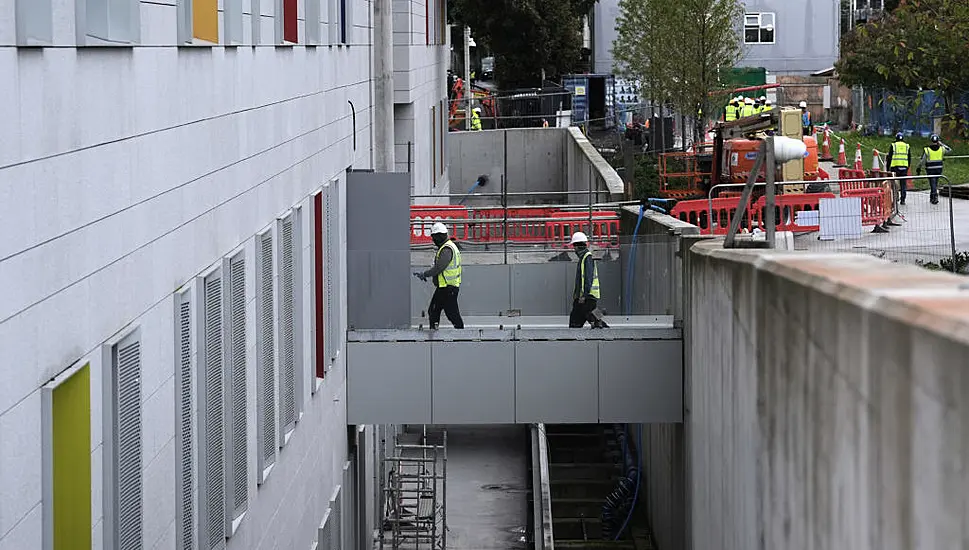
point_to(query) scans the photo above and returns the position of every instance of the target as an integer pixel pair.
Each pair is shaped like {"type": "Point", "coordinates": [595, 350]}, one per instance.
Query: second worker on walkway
{"type": "Point", "coordinates": [446, 275]}
{"type": "Point", "coordinates": [585, 296]}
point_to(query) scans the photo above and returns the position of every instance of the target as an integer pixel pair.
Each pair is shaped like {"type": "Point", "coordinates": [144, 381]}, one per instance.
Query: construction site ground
{"type": "Point", "coordinates": [922, 236]}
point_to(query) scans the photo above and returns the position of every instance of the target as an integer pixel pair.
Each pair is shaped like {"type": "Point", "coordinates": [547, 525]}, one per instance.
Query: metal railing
{"type": "Point", "coordinates": [742, 208]}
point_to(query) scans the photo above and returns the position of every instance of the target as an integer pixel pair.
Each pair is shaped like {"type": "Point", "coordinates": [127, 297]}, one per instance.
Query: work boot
{"type": "Point", "coordinates": [879, 229]}
{"type": "Point", "coordinates": [934, 200]}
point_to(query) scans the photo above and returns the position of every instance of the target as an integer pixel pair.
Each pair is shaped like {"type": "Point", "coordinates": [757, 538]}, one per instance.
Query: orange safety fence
{"type": "Point", "coordinates": [786, 208]}
{"type": "Point", "coordinates": [873, 210]}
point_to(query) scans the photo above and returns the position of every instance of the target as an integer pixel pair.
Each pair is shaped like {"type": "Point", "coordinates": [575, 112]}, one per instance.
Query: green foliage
{"type": "Point", "coordinates": [920, 45]}
{"type": "Point", "coordinates": [526, 36]}
{"type": "Point", "coordinates": [679, 51]}
{"type": "Point", "coordinates": [945, 264]}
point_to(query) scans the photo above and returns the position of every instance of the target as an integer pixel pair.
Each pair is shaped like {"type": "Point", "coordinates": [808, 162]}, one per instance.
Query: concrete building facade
{"type": "Point", "coordinates": [784, 37]}
{"type": "Point", "coordinates": [162, 172]}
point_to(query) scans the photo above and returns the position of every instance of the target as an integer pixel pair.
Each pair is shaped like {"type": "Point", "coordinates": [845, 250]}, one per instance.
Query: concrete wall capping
{"type": "Point", "coordinates": [937, 302]}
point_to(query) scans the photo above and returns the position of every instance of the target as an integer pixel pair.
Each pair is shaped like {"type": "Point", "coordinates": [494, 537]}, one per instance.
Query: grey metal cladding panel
{"type": "Point", "coordinates": [484, 290]}
{"type": "Point", "coordinates": [389, 383]}
{"type": "Point", "coordinates": [378, 250]}
{"type": "Point", "coordinates": [378, 295]}
{"type": "Point", "coordinates": [473, 382]}
{"type": "Point", "coordinates": [610, 286]}
{"type": "Point", "coordinates": [641, 381]}
{"type": "Point", "coordinates": [378, 211]}
{"type": "Point", "coordinates": [555, 382]}
{"type": "Point", "coordinates": [543, 289]}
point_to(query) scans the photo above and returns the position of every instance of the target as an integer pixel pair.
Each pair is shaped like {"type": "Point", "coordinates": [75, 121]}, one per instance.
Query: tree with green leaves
{"type": "Point", "coordinates": [680, 51]}
{"type": "Point", "coordinates": [922, 44]}
{"type": "Point", "coordinates": [526, 36]}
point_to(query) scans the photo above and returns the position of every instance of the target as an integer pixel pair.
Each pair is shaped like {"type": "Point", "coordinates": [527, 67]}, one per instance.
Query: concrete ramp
{"type": "Point", "coordinates": [514, 370]}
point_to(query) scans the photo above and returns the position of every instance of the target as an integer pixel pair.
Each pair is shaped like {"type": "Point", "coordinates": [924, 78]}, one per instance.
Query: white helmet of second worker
{"type": "Point", "coordinates": [438, 228]}
{"type": "Point", "coordinates": [579, 237]}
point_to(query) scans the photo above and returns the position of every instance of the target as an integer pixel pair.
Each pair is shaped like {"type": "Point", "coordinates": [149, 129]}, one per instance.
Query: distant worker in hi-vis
{"type": "Point", "coordinates": [933, 158]}
{"type": "Point", "coordinates": [446, 276]}
{"type": "Point", "coordinates": [585, 296]}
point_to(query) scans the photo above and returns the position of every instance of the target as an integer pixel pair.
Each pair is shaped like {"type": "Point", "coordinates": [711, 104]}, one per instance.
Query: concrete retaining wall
{"type": "Point", "coordinates": [531, 160]}
{"type": "Point", "coordinates": [827, 402]}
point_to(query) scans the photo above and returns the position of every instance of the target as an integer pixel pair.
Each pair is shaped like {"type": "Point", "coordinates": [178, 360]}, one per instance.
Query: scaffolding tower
{"type": "Point", "coordinates": [415, 491]}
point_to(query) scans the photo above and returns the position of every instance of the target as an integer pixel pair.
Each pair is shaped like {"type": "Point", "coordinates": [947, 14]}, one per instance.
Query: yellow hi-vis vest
{"type": "Point", "coordinates": [594, 291]}
{"type": "Point", "coordinates": [748, 110]}
{"type": "Point", "coordinates": [899, 154]}
{"type": "Point", "coordinates": [451, 276]}
{"type": "Point", "coordinates": [933, 157]}
{"type": "Point", "coordinates": [731, 113]}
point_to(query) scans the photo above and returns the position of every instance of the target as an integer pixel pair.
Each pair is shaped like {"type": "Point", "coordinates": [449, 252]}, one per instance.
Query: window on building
{"type": "Point", "coordinates": [287, 22]}
{"type": "Point", "coordinates": [759, 28]}
{"type": "Point", "coordinates": [100, 22]}
{"type": "Point", "coordinates": [198, 21]}
{"type": "Point", "coordinates": [312, 14]}
{"type": "Point", "coordinates": [34, 22]}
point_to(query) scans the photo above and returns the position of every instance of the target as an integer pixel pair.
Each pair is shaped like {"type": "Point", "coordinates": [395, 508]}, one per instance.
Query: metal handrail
{"type": "Point", "coordinates": [948, 187]}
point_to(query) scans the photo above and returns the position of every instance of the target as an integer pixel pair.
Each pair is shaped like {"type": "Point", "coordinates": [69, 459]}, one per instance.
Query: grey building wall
{"type": "Point", "coordinates": [806, 36]}
{"type": "Point", "coordinates": [826, 402]}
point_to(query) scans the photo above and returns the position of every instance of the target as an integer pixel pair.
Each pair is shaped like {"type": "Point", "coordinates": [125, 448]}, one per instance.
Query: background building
{"type": "Point", "coordinates": [170, 189]}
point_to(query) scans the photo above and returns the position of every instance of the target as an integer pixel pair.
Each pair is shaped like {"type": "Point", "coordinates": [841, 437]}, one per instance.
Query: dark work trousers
{"type": "Point", "coordinates": [445, 299]}
{"type": "Point", "coordinates": [582, 313]}
{"type": "Point", "coordinates": [933, 182]}
{"type": "Point", "coordinates": [901, 172]}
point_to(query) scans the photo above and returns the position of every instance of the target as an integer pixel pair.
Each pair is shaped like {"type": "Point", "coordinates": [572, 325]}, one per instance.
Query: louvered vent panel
{"type": "Point", "coordinates": [129, 447]}
{"type": "Point", "coordinates": [287, 382]}
{"type": "Point", "coordinates": [214, 425]}
{"type": "Point", "coordinates": [237, 332]}
{"type": "Point", "coordinates": [186, 483]}
{"type": "Point", "coordinates": [323, 534]}
{"type": "Point", "coordinates": [336, 519]}
{"type": "Point", "coordinates": [268, 370]}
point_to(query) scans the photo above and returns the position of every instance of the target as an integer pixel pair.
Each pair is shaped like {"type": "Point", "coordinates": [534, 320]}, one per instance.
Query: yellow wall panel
{"type": "Point", "coordinates": [205, 20]}
{"type": "Point", "coordinates": [71, 450]}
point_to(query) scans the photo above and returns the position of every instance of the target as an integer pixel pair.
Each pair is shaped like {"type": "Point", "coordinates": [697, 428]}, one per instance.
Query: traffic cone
{"type": "Point", "coordinates": [858, 161]}
{"type": "Point", "coordinates": [842, 157]}
{"type": "Point", "coordinates": [876, 161]}
{"type": "Point", "coordinates": [826, 148]}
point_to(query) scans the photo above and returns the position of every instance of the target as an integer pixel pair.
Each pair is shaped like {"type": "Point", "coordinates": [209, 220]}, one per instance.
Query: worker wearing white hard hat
{"type": "Point", "coordinates": [446, 276]}
{"type": "Point", "coordinates": [805, 118]}
{"type": "Point", "coordinates": [748, 108]}
{"type": "Point", "coordinates": [476, 118]}
{"type": "Point", "coordinates": [585, 295]}
{"type": "Point", "coordinates": [768, 105]}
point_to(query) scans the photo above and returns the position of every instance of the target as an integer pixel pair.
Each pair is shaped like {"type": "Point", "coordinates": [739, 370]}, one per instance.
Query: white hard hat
{"type": "Point", "coordinates": [748, 101]}
{"type": "Point", "coordinates": [802, 104]}
{"type": "Point", "coordinates": [477, 109]}
{"type": "Point", "coordinates": [763, 98]}
{"type": "Point", "coordinates": [438, 228]}
{"type": "Point", "coordinates": [579, 237]}
{"type": "Point", "coordinates": [769, 102]}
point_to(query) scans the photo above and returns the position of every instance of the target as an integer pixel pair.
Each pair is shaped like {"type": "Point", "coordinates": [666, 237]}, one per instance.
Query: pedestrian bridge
{"type": "Point", "coordinates": [505, 370]}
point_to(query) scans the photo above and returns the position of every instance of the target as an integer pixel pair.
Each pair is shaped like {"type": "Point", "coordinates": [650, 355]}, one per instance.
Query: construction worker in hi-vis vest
{"type": "Point", "coordinates": [899, 159]}
{"type": "Point", "coordinates": [446, 276]}
{"type": "Point", "coordinates": [932, 160]}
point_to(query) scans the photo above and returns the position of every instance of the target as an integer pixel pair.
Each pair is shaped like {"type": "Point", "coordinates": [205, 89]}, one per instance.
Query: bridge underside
{"type": "Point", "coordinates": [513, 370]}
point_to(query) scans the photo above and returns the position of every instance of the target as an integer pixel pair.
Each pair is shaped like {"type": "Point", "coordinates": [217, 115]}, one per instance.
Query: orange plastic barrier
{"type": "Point", "coordinates": [605, 229]}
{"type": "Point", "coordinates": [422, 217]}
{"type": "Point", "coordinates": [873, 210]}
{"type": "Point", "coordinates": [697, 212]}
{"type": "Point", "coordinates": [786, 208]}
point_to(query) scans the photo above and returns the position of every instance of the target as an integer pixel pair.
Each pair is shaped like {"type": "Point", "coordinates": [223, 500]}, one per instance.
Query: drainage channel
{"type": "Point", "coordinates": [580, 474]}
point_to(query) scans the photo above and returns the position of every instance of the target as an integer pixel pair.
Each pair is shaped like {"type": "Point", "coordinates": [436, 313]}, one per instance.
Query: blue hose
{"type": "Point", "coordinates": [639, 475]}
